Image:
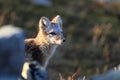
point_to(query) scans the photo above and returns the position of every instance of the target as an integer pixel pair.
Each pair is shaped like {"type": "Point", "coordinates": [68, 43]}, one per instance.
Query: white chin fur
{"type": "Point", "coordinates": [59, 42]}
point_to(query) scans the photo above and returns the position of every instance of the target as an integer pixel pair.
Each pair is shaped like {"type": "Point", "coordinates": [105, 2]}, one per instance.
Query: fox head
{"type": "Point", "coordinates": [52, 30]}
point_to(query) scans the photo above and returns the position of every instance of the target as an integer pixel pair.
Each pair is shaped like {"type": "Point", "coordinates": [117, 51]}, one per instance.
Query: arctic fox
{"type": "Point", "coordinates": [40, 49]}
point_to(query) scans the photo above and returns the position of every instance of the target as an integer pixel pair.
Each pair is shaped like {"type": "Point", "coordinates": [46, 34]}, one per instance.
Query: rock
{"type": "Point", "coordinates": [110, 75]}
{"type": "Point", "coordinates": [11, 52]}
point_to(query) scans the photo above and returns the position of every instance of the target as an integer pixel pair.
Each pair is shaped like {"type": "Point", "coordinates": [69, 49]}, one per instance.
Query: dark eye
{"type": "Point", "coordinates": [52, 33]}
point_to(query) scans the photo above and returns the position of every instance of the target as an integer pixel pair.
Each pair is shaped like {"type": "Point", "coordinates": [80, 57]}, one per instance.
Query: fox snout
{"type": "Point", "coordinates": [60, 39]}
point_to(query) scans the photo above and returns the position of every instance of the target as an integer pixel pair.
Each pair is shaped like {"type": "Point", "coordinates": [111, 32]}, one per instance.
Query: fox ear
{"type": "Point", "coordinates": [44, 23]}
{"type": "Point", "coordinates": [57, 19]}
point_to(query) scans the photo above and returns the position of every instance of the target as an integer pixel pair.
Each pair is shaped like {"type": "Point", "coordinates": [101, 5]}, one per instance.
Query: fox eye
{"type": "Point", "coordinates": [52, 33]}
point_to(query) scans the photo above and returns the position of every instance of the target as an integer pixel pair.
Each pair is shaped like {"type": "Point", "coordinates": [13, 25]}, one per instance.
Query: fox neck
{"type": "Point", "coordinates": [41, 39]}
{"type": "Point", "coordinates": [46, 48]}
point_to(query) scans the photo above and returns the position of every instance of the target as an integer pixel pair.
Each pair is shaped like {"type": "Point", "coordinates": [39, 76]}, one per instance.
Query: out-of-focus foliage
{"type": "Point", "coordinates": [92, 30]}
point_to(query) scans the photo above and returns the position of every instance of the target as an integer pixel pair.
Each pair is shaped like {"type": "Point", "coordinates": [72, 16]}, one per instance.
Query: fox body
{"type": "Point", "coordinates": [41, 48]}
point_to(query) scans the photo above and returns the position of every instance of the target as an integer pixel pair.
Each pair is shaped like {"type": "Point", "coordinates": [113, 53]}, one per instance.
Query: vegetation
{"type": "Point", "coordinates": [92, 30]}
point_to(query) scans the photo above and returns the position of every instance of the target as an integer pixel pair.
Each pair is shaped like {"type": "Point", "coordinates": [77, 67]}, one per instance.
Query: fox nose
{"type": "Point", "coordinates": [64, 40]}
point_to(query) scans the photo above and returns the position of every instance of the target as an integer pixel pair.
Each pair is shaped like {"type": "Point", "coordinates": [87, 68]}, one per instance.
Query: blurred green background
{"type": "Point", "coordinates": [91, 27]}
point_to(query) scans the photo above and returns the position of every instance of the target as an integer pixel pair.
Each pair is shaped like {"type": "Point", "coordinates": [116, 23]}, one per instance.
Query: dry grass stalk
{"type": "Point", "coordinates": [75, 76]}
{"type": "Point", "coordinates": [99, 34]}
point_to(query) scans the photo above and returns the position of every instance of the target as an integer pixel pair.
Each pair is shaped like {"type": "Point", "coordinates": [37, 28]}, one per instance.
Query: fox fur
{"type": "Point", "coordinates": [42, 47]}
